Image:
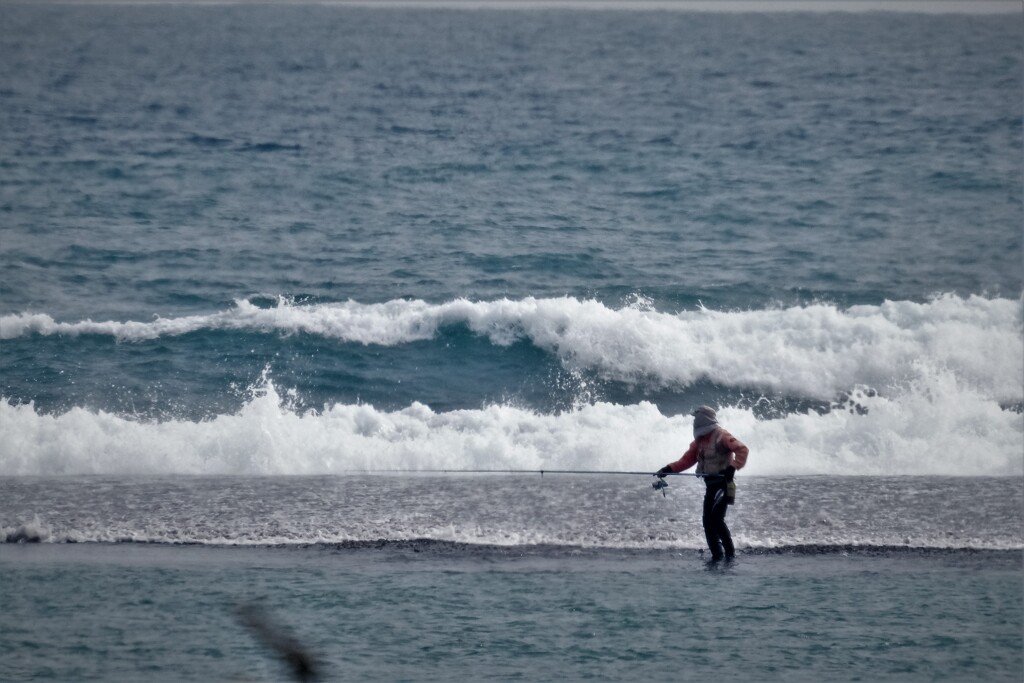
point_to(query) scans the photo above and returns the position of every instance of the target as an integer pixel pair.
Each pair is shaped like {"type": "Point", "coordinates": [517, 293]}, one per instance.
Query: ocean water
{"type": "Point", "coordinates": [276, 277]}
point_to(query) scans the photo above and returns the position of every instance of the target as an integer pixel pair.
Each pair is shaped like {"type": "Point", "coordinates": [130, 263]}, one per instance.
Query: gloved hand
{"type": "Point", "coordinates": [729, 472]}
{"type": "Point", "coordinates": [663, 471]}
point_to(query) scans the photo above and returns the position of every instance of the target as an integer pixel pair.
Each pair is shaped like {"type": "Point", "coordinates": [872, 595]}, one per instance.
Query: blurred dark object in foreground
{"type": "Point", "coordinates": [300, 662]}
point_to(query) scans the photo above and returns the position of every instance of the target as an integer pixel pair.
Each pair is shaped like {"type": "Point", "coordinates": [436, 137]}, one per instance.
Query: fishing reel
{"type": "Point", "coordinates": [660, 485]}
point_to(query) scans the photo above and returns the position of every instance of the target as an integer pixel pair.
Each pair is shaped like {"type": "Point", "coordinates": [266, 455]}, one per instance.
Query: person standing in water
{"type": "Point", "coordinates": [717, 454]}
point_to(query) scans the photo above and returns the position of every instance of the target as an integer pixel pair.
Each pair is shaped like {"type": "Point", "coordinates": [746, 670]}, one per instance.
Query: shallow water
{"type": "Point", "coordinates": [103, 612]}
{"type": "Point", "coordinates": [497, 577]}
{"type": "Point", "coordinates": [514, 510]}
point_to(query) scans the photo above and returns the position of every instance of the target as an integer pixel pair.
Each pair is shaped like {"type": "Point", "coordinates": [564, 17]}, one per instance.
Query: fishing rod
{"type": "Point", "coordinates": [540, 472]}
{"type": "Point", "coordinates": [659, 485]}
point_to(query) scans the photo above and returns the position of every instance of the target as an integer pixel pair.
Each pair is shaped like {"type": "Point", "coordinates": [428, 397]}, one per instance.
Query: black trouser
{"type": "Point", "coordinates": [715, 530]}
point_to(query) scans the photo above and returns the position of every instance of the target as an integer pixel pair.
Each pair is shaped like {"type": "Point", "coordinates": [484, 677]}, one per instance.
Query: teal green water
{"type": "Point", "coordinates": [128, 613]}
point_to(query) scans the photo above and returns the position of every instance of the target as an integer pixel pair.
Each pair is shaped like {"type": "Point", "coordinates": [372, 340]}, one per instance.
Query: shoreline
{"type": "Point", "coordinates": [426, 549]}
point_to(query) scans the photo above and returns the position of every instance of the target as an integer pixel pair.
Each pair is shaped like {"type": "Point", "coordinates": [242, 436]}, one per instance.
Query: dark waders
{"type": "Point", "coordinates": [716, 504]}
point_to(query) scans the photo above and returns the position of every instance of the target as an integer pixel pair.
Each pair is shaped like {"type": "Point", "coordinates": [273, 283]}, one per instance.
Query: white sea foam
{"type": "Point", "coordinates": [938, 428]}
{"type": "Point", "coordinates": [816, 351]}
{"type": "Point", "coordinates": [34, 531]}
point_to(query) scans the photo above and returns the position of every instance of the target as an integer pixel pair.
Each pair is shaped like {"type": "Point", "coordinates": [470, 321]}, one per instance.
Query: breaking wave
{"type": "Point", "coordinates": [816, 351]}
{"type": "Point", "coordinates": [939, 429]}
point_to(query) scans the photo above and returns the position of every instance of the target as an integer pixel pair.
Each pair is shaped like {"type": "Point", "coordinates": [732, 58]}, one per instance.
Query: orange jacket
{"type": "Point", "coordinates": [737, 457]}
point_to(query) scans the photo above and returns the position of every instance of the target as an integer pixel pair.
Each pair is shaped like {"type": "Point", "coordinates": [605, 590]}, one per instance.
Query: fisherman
{"type": "Point", "coordinates": [717, 454]}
